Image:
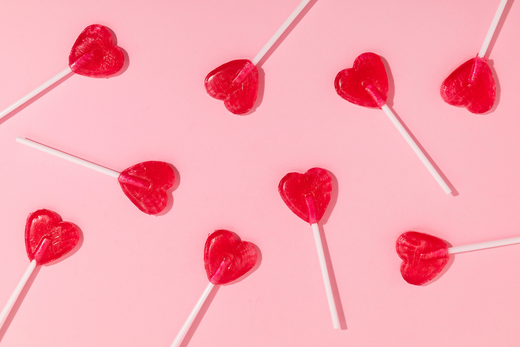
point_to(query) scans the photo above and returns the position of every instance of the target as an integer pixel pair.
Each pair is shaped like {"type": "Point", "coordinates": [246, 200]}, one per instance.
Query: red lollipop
{"type": "Point", "coordinates": [366, 84]}
{"type": "Point", "coordinates": [47, 238]}
{"type": "Point", "coordinates": [93, 54]}
{"type": "Point", "coordinates": [308, 196]}
{"type": "Point", "coordinates": [226, 259]}
{"type": "Point", "coordinates": [146, 184]}
{"type": "Point", "coordinates": [236, 82]}
{"type": "Point", "coordinates": [472, 85]}
{"type": "Point", "coordinates": [425, 256]}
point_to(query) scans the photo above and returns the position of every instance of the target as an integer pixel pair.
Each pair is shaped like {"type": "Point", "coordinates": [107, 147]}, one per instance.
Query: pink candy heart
{"type": "Point", "coordinates": [366, 83]}
{"type": "Point", "coordinates": [48, 238]}
{"type": "Point", "coordinates": [424, 256]}
{"type": "Point", "coordinates": [94, 54]}
{"type": "Point", "coordinates": [236, 83]}
{"type": "Point", "coordinates": [227, 258]}
{"type": "Point", "coordinates": [146, 185]}
{"type": "Point", "coordinates": [308, 194]}
{"type": "Point", "coordinates": [471, 85]}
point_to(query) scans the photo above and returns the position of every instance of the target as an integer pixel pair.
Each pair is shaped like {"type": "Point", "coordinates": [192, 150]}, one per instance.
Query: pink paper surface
{"type": "Point", "coordinates": [136, 277]}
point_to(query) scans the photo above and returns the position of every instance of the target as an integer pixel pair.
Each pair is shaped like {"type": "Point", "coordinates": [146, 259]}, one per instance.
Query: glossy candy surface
{"type": "Point", "coordinates": [308, 194]}
{"type": "Point", "coordinates": [424, 256]}
{"type": "Point", "coordinates": [146, 185]}
{"type": "Point", "coordinates": [366, 83]}
{"type": "Point", "coordinates": [47, 237]}
{"type": "Point", "coordinates": [227, 258]}
{"type": "Point", "coordinates": [471, 85]}
{"type": "Point", "coordinates": [94, 54]}
{"type": "Point", "coordinates": [236, 83]}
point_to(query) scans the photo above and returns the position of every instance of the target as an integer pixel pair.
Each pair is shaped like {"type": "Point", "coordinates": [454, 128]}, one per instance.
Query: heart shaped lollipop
{"type": "Point", "coordinates": [308, 194]}
{"type": "Point", "coordinates": [236, 83]}
{"type": "Point", "coordinates": [424, 256]}
{"type": "Point", "coordinates": [146, 185]}
{"type": "Point", "coordinates": [94, 53]}
{"type": "Point", "coordinates": [366, 83]}
{"type": "Point", "coordinates": [227, 258]}
{"type": "Point", "coordinates": [471, 85]}
{"type": "Point", "coordinates": [47, 237]}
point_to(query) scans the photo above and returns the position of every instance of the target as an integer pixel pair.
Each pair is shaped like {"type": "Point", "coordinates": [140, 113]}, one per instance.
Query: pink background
{"type": "Point", "coordinates": [136, 277]}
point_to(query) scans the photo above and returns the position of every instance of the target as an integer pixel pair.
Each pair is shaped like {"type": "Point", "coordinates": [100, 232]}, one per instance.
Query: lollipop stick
{"type": "Point", "coordinates": [68, 157]}
{"type": "Point", "coordinates": [325, 274]}
{"type": "Point", "coordinates": [35, 92]}
{"type": "Point", "coordinates": [280, 31]}
{"type": "Point", "coordinates": [492, 28]}
{"type": "Point", "coordinates": [191, 317]}
{"type": "Point", "coordinates": [416, 149]}
{"type": "Point", "coordinates": [484, 245]}
{"type": "Point", "coordinates": [16, 293]}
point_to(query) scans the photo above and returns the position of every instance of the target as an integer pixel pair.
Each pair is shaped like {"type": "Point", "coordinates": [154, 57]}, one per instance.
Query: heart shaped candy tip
{"type": "Point", "coordinates": [48, 238]}
{"type": "Point", "coordinates": [236, 83]}
{"type": "Point", "coordinates": [227, 258]}
{"type": "Point", "coordinates": [471, 85]}
{"type": "Point", "coordinates": [146, 185]}
{"type": "Point", "coordinates": [366, 83]}
{"type": "Point", "coordinates": [94, 54]}
{"type": "Point", "coordinates": [424, 256]}
{"type": "Point", "coordinates": [307, 195]}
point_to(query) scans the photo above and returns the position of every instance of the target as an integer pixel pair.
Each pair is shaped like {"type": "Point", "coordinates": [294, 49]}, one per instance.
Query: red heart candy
{"type": "Point", "coordinates": [235, 82]}
{"type": "Point", "coordinates": [471, 85]}
{"type": "Point", "coordinates": [424, 256]}
{"type": "Point", "coordinates": [226, 258]}
{"type": "Point", "coordinates": [308, 194]}
{"type": "Point", "coordinates": [145, 184]}
{"type": "Point", "coordinates": [47, 237]}
{"type": "Point", "coordinates": [94, 55]}
{"type": "Point", "coordinates": [366, 83]}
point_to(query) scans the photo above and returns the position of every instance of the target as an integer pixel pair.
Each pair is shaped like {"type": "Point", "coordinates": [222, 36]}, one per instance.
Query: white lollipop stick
{"type": "Point", "coordinates": [416, 149]}
{"type": "Point", "coordinates": [280, 31]}
{"type": "Point", "coordinates": [186, 326]}
{"type": "Point", "coordinates": [484, 245]}
{"type": "Point", "coordinates": [68, 157]}
{"type": "Point", "coordinates": [35, 92]}
{"type": "Point", "coordinates": [492, 28]}
{"type": "Point", "coordinates": [16, 293]}
{"type": "Point", "coordinates": [325, 274]}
